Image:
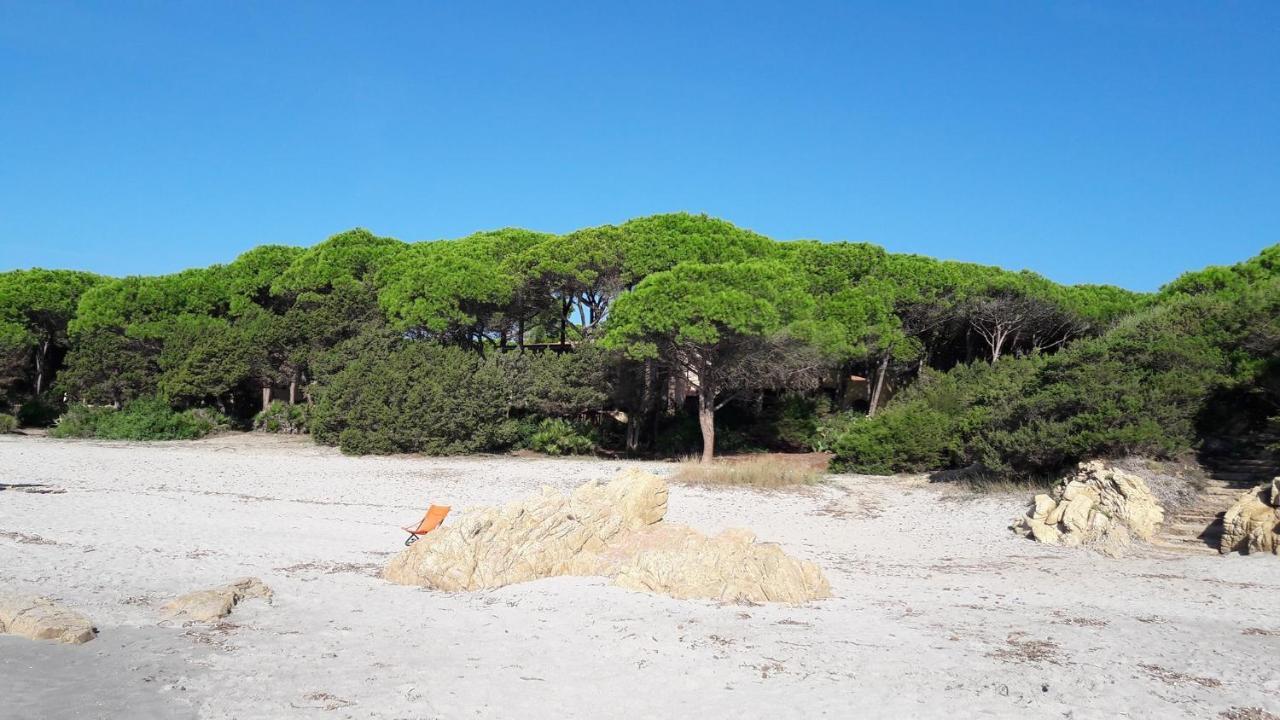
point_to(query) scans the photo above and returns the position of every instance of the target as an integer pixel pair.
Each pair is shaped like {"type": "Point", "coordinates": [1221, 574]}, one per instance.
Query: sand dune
{"type": "Point", "coordinates": [939, 610]}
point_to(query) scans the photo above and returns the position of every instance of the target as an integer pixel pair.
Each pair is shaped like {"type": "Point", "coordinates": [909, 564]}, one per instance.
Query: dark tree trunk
{"type": "Point", "coordinates": [881, 371]}
{"type": "Point", "coordinates": [42, 355]}
{"type": "Point", "coordinates": [707, 423]}
{"type": "Point", "coordinates": [842, 388]}
{"type": "Point", "coordinates": [565, 306]}
{"type": "Point", "coordinates": [635, 421]}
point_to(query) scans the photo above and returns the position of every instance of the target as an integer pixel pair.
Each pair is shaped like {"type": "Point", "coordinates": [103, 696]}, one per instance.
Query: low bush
{"type": "Point", "coordinates": [38, 412]}
{"type": "Point", "coordinates": [142, 419]}
{"type": "Point", "coordinates": [8, 423]}
{"type": "Point", "coordinates": [908, 438]}
{"type": "Point", "coordinates": [555, 436]}
{"type": "Point", "coordinates": [281, 417]}
{"type": "Point", "coordinates": [81, 421]}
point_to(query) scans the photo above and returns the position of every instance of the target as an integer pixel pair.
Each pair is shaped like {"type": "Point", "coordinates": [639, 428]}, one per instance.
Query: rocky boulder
{"type": "Point", "coordinates": [730, 567]}
{"type": "Point", "coordinates": [215, 603]}
{"type": "Point", "coordinates": [1098, 505]}
{"type": "Point", "coordinates": [1253, 522]}
{"type": "Point", "coordinates": [39, 618]}
{"type": "Point", "coordinates": [612, 530]}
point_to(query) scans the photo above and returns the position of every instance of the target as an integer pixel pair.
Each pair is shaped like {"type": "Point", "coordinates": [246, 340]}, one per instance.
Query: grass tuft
{"type": "Point", "coordinates": [766, 472]}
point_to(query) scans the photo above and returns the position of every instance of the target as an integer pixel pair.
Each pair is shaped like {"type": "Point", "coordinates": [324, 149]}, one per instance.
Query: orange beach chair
{"type": "Point", "coordinates": [435, 515]}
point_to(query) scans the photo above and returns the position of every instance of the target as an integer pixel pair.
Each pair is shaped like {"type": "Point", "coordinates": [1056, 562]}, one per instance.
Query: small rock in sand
{"type": "Point", "coordinates": [214, 603]}
{"type": "Point", "coordinates": [39, 618]}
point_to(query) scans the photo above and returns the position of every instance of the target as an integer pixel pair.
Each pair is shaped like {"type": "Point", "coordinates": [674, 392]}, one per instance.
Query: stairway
{"type": "Point", "coordinates": [1197, 528]}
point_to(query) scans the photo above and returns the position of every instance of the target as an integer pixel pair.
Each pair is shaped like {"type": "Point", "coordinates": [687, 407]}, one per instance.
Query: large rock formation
{"type": "Point", "coordinates": [40, 618]}
{"type": "Point", "coordinates": [613, 530]}
{"type": "Point", "coordinates": [731, 566]}
{"type": "Point", "coordinates": [215, 603]}
{"type": "Point", "coordinates": [1099, 505]}
{"type": "Point", "coordinates": [1253, 523]}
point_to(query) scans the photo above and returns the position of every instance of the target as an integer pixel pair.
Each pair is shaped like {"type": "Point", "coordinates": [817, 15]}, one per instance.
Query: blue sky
{"type": "Point", "coordinates": [1108, 141]}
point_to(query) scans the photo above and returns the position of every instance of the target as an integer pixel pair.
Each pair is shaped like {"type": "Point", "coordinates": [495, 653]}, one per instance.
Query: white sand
{"type": "Point", "coordinates": [940, 611]}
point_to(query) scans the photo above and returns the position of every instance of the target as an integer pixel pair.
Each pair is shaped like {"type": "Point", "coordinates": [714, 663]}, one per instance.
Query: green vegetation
{"type": "Point", "coordinates": [1191, 367]}
{"type": "Point", "coordinates": [283, 418]}
{"type": "Point", "coordinates": [8, 423]}
{"type": "Point", "coordinates": [667, 334]}
{"type": "Point", "coordinates": [555, 436]}
{"type": "Point", "coordinates": [142, 419]}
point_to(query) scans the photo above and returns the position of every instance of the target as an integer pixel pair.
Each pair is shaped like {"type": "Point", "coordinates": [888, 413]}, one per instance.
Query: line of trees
{"type": "Point", "coordinates": [657, 310]}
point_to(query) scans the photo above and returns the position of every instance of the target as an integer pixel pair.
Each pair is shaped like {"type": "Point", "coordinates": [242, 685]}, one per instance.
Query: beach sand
{"type": "Point", "coordinates": [940, 611]}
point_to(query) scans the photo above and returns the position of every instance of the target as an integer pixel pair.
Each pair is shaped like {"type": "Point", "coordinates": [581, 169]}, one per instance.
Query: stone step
{"type": "Point", "coordinates": [1193, 529]}
{"type": "Point", "coordinates": [1240, 477]}
{"type": "Point", "coordinates": [1191, 544]}
{"type": "Point", "coordinates": [1245, 462]}
{"type": "Point", "coordinates": [1204, 519]}
{"type": "Point", "coordinates": [1242, 463]}
{"type": "Point", "coordinates": [1198, 547]}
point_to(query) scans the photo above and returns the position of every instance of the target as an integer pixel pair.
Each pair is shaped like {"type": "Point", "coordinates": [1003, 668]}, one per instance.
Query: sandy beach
{"type": "Point", "coordinates": [939, 611]}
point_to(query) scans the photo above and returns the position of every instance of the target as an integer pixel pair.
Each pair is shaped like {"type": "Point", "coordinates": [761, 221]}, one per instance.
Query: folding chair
{"type": "Point", "coordinates": [430, 521]}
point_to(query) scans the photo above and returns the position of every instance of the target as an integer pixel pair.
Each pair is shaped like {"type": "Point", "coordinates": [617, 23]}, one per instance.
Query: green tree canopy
{"type": "Point", "coordinates": [660, 242]}
{"type": "Point", "coordinates": [348, 257]}
{"type": "Point", "coordinates": [36, 307]}
{"type": "Point", "coordinates": [718, 324]}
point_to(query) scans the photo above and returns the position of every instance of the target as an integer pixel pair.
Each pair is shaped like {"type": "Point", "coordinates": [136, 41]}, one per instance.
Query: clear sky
{"type": "Point", "coordinates": [1092, 141]}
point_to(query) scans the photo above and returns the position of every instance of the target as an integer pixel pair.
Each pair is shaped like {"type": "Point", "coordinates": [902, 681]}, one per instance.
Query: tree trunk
{"type": "Point", "coordinates": [564, 322]}
{"type": "Point", "coordinates": [707, 422]}
{"type": "Point", "coordinates": [635, 421]}
{"type": "Point", "coordinates": [633, 432]}
{"type": "Point", "coordinates": [293, 388]}
{"type": "Point", "coordinates": [842, 387]}
{"type": "Point", "coordinates": [266, 397]}
{"type": "Point", "coordinates": [883, 370]}
{"type": "Point", "coordinates": [41, 356]}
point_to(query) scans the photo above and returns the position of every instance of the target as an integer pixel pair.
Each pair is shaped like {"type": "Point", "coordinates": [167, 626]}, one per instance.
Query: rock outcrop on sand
{"type": "Point", "coordinates": [1099, 505]}
{"type": "Point", "coordinates": [612, 530]}
{"type": "Point", "coordinates": [1252, 524]}
{"type": "Point", "coordinates": [39, 618]}
{"type": "Point", "coordinates": [215, 603]}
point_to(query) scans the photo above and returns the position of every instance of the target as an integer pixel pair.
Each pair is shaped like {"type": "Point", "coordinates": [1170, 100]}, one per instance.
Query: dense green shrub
{"type": "Point", "coordinates": [142, 419]}
{"type": "Point", "coordinates": [281, 417]}
{"type": "Point", "coordinates": [418, 397]}
{"type": "Point", "coordinates": [910, 438]}
{"type": "Point", "coordinates": [564, 385]}
{"type": "Point", "coordinates": [1137, 390]}
{"type": "Point", "coordinates": [8, 423]}
{"type": "Point", "coordinates": [556, 436]}
{"type": "Point", "coordinates": [38, 412]}
{"type": "Point", "coordinates": [929, 425]}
